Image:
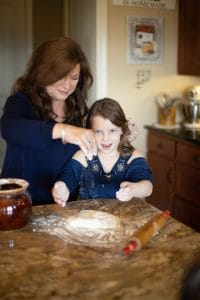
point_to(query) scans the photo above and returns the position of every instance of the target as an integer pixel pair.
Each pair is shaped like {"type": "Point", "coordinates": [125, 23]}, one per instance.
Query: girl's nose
{"type": "Point", "coordinates": [105, 136]}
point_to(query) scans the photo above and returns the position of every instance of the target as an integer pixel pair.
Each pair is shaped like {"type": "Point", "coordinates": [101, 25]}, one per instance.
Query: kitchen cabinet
{"type": "Point", "coordinates": [160, 156]}
{"type": "Point", "coordinates": [187, 185]}
{"type": "Point", "coordinates": [189, 38]}
{"type": "Point", "coordinates": [175, 164]}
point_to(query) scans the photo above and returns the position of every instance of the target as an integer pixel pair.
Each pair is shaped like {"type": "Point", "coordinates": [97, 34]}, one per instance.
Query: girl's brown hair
{"type": "Point", "coordinates": [110, 109]}
{"type": "Point", "coordinates": [50, 62]}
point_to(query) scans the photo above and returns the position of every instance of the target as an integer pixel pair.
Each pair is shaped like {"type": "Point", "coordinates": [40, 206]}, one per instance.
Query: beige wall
{"type": "Point", "coordinates": [139, 104]}
{"type": "Point", "coordinates": [47, 20]}
{"type": "Point", "coordinates": [82, 28]}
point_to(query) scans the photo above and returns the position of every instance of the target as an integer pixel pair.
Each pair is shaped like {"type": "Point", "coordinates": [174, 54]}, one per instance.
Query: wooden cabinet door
{"type": "Point", "coordinates": [187, 183]}
{"type": "Point", "coordinates": [187, 213]}
{"type": "Point", "coordinates": [189, 37]}
{"type": "Point", "coordinates": [163, 181]}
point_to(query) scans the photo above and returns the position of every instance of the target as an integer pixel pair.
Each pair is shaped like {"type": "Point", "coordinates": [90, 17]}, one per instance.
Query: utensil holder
{"type": "Point", "coordinates": [167, 116]}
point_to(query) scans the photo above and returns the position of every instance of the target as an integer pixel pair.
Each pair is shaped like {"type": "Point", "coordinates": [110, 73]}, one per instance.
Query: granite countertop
{"type": "Point", "coordinates": [36, 264]}
{"type": "Point", "coordinates": [181, 133]}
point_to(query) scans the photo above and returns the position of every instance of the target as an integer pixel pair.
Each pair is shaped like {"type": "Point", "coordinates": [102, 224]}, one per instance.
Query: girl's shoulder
{"type": "Point", "coordinates": [80, 157]}
{"type": "Point", "coordinates": [135, 154]}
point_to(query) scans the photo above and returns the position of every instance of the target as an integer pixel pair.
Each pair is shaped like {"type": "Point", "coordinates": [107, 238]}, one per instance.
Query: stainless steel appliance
{"type": "Point", "coordinates": [191, 108]}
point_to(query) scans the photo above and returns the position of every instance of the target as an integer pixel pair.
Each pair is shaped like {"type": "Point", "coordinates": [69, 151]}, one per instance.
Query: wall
{"type": "Point", "coordinates": [15, 47]}
{"type": "Point", "coordinates": [139, 104]}
{"type": "Point", "coordinates": [82, 28]}
{"type": "Point", "coordinates": [47, 20]}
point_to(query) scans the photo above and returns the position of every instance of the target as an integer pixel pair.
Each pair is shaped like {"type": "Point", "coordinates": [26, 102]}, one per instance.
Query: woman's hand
{"type": "Point", "coordinates": [60, 193]}
{"type": "Point", "coordinates": [84, 138]}
{"type": "Point", "coordinates": [133, 131]}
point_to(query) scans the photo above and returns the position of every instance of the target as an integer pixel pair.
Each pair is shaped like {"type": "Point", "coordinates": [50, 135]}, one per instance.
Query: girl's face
{"type": "Point", "coordinates": [62, 89]}
{"type": "Point", "coordinates": [107, 134]}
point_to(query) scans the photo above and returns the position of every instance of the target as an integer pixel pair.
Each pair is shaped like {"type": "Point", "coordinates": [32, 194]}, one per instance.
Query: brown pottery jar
{"type": "Point", "coordinates": [15, 203]}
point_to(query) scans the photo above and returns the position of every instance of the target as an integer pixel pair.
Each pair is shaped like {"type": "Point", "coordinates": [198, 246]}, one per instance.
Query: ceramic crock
{"type": "Point", "coordinates": [15, 203]}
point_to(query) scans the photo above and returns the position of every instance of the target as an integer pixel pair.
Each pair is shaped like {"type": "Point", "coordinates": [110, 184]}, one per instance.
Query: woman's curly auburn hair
{"type": "Point", "coordinates": [110, 109]}
{"type": "Point", "coordinates": [49, 63]}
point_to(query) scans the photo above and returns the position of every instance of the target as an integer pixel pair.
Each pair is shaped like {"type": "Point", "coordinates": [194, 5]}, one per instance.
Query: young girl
{"type": "Point", "coordinates": [118, 171]}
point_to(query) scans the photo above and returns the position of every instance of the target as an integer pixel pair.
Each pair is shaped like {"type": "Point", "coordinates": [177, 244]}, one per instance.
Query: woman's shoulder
{"type": "Point", "coordinates": [19, 103]}
{"type": "Point", "coordinates": [80, 157]}
{"type": "Point", "coordinates": [19, 96]}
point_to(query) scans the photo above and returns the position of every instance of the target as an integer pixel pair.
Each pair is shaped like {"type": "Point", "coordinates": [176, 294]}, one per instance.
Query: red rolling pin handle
{"type": "Point", "coordinates": [144, 234]}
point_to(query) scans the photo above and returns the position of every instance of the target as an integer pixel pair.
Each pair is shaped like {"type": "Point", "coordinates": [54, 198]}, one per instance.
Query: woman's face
{"type": "Point", "coordinates": [63, 88]}
{"type": "Point", "coordinates": [107, 134]}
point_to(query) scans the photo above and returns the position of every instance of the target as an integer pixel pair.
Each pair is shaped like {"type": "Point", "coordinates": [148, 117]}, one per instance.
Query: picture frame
{"type": "Point", "coordinates": [144, 40]}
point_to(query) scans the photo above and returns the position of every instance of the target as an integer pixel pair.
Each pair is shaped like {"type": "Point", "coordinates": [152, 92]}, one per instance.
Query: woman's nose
{"type": "Point", "coordinates": [66, 83]}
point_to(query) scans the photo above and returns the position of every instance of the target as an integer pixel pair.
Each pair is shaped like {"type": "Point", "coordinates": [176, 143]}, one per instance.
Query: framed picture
{"type": "Point", "coordinates": [144, 40]}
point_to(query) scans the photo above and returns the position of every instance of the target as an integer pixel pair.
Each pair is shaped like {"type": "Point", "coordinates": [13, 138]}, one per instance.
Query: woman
{"type": "Point", "coordinates": [43, 118]}
{"type": "Point", "coordinates": [117, 171]}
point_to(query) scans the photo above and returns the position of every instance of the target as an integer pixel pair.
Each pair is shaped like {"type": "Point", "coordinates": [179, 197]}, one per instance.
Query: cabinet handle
{"type": "Point", "coordinates": [160, 146]}
{"type": "Point", "coordinates": [196, 158]}
{"type": "Point", "coordinates": [195, 189]}
{"type": "Point", "coordinates": [169, 175]}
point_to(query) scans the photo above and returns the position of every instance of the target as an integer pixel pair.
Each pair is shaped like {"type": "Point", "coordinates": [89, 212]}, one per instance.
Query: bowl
{"type": "Point", "coordinates": [191, 111]}
{"type": "Point", "coordinates": [15, 203]}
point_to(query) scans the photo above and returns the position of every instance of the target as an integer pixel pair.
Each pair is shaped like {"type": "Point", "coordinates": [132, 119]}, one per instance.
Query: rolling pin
{"type": "Point", "coordinates": [145, 233]}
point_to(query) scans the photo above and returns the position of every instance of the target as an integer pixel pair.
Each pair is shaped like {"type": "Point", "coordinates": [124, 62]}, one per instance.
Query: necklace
{"type": "Point", "coordinates": [108, 176]}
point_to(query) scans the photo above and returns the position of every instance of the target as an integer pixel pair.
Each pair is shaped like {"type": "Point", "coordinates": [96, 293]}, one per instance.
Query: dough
{"type": "Point", "coordinates": [93, 220]}
{"type": "Point", "coordinates": [88, 227]}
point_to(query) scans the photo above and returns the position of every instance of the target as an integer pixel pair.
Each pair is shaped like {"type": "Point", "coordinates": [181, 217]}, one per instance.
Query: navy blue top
{"type": "Point", "coordinates": [31, 153]}
{"type": "Point", "coordinates": [93, 182]}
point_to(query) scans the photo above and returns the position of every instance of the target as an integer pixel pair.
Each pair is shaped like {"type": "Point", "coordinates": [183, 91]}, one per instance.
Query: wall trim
{"type": "Point", "coordinates": [101, 48]}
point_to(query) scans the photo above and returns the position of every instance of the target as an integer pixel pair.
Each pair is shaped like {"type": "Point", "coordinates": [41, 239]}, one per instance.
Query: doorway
{"type": "Point", "coordinates": [15, 47]}
{"type": "Point", "coordinates": [24, 24]}
{"type": "Point", "coordinates": [83, 20]}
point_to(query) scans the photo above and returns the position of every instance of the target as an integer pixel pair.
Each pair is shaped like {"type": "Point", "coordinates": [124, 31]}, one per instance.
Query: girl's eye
{"type": "Point", "coordinates": [97, 131]}
{"type": "Point", "coordinates": [114, 130]}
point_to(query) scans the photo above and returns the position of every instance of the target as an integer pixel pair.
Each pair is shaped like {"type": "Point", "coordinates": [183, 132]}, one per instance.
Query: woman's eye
{"type": "Point", "coordinates": [75, 78]}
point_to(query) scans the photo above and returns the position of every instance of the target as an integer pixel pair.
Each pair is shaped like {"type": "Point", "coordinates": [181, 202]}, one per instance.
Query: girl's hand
{"type": "Point", "coordinates": [60, 193]}
{"type": "Point", "coordinates": [126, 191]}
{"type": "Point", "coordinates": [129, 190]}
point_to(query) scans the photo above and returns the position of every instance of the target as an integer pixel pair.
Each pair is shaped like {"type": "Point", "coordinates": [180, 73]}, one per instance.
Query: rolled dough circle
{"type": "Point", "coordinates": [93, 220]}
